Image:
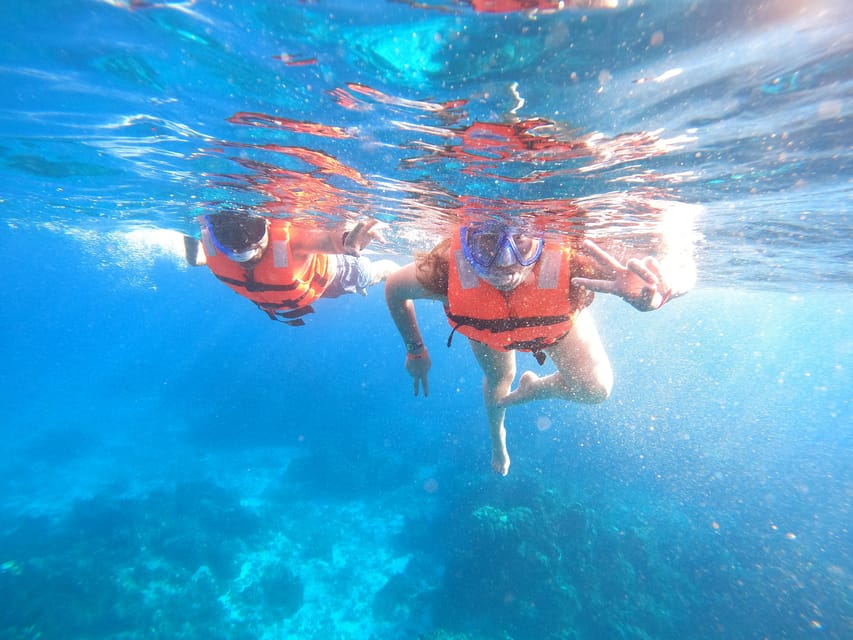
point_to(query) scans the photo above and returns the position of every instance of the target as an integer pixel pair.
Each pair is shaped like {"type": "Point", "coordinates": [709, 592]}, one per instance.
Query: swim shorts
{"type": "Point", "coordinates": [352, 275]}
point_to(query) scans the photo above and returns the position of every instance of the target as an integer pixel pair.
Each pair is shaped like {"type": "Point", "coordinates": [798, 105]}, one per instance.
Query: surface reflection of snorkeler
{"type": "Point", "coordinates": [283, 267]}
{"type": "Point", "coordinates": [508, 289]}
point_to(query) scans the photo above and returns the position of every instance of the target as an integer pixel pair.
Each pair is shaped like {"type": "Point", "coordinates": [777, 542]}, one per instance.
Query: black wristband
{"type": "Point", "coordinates": [350, 251]}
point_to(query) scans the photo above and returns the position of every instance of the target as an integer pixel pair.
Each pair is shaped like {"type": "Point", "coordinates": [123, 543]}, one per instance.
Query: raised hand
{"type": "Point", "coordinates": [639, 281]}
{"type": "Point", "coordinates": [357, 238]}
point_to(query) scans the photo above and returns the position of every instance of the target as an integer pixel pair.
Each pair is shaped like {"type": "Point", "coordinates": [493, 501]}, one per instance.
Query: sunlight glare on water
{"type": "Point", "coordinates": [411, 111]}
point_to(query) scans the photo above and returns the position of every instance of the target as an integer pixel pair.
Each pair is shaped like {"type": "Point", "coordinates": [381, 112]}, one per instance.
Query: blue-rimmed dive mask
{"type": "Point", "coordinates": [239, 238]}
{"type": "Point", "coordinates": [486, 246]}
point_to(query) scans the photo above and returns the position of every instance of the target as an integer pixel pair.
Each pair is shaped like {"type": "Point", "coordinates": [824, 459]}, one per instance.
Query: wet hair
{"type": "Point", "coordinates": [237, 231]}
{"type": "Point", "coordinates": [433, 268]}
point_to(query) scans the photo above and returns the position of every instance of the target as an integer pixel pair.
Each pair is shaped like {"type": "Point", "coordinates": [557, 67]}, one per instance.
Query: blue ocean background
{"type": "Point", "coordinates": [175, 465]}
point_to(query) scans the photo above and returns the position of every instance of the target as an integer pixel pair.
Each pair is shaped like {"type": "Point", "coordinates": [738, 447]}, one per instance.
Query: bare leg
{"type": "Point", "coordinates": [498, 373]}
{"type": "Point", "coordinates": [583, 369]}
{"type": "Point", "coordinates": [381, 269]}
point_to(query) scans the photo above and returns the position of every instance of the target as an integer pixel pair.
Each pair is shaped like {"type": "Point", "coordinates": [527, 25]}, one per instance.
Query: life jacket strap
{"type": "Point", "coordinates": [534, 346]}
{"type": "Point", "coordinates": [450, 337]}
{"type": "Point", "coordinates": [501, 325]}
{"type": "Point", "coordinates": [292, 317]}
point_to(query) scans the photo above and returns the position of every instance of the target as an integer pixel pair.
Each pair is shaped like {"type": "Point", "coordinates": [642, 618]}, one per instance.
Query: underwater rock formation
{"type": "Point", "coordinates": [531, 562]}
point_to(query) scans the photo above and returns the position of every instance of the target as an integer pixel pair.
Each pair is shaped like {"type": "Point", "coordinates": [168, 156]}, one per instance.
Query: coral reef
{"type": "Point", "coordinates": [112, 567]}
{"type": "Point", "coordinates": [529, 561]}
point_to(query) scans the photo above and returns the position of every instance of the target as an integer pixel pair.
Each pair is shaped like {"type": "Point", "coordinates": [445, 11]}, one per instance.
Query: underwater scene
{"type": "Point", "coordinates": [315, 320]}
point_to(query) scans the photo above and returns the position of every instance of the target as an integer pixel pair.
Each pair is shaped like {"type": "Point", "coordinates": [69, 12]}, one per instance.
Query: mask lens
{"type": "Point", "coordinates": [525, 247]}
{"type": "Point", "coordinates": [484, 246]}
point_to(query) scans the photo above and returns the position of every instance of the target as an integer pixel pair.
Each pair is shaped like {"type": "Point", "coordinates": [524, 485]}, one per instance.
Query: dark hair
{"type": "Point", "coordinates": [237, 231]}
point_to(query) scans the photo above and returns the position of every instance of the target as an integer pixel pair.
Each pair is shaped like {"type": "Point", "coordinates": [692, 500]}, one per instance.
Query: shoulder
{"type": "Point", "coordinates": [432, 268]}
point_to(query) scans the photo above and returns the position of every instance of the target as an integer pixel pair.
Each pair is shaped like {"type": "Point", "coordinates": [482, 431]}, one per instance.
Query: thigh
{"type": "Point", "coordinates": [496, 365]}
{"type": "Point", "coordinates": [580, 356]}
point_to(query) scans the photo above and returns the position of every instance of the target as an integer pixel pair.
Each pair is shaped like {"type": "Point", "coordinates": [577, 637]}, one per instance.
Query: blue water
{"type": "Point", "coordinates": [175, 465]}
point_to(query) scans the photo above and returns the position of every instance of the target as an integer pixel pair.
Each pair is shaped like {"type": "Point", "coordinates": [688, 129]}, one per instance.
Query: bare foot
{"type": "Point", "coordinates": [500, 461]}
{"type": "Point", "coordinates": [522, 392]}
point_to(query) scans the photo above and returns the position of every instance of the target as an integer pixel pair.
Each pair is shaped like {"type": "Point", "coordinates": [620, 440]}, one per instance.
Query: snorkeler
{"type": "Point", "coordinates": [508, 290]}
{"type": "Point", "coordinates": [285, 268]}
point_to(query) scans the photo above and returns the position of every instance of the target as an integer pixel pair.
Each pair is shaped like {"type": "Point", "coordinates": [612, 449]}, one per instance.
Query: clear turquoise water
{"type": "Point", "coordinates": [175, 465]}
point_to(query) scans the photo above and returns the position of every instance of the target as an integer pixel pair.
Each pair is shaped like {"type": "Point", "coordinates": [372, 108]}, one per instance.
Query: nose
{"type": "Point", "coordinates": [505, 257]}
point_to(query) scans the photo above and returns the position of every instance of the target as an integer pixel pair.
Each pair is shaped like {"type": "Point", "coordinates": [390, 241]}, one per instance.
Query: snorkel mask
{"type": "Point", "coordinates": [239, 237]}
{"type": "Point", "coordinates": [487, 245]}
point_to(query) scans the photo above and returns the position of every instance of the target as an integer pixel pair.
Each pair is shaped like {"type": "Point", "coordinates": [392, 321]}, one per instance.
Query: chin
{"type": "Point", "coordinates": [505, 282]}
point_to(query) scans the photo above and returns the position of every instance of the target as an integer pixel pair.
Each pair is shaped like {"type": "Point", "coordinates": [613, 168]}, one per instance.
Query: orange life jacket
{"type": "Point", "coordinates": [534, 315]}
{"type": "Point", "coordinates": [282, 287]}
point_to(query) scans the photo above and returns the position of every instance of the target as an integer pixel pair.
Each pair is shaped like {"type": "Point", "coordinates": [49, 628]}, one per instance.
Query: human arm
{"type": "Point", "coordinates": [401, 289]}
{"type": "Point", "coordinates": [645, 283]}
{"type": "Point", "coordinates": [340, 241]}
{"type": "Point", "coordinates": [648, 263]}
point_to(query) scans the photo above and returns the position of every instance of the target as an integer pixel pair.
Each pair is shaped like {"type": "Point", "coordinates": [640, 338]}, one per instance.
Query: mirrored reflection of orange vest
{"type": "Point", "coordinates": [282, 287]}
{"type": "Point", "coordinates": [507, 6]}
{"type": "Point", "coordinates": [535, 314]}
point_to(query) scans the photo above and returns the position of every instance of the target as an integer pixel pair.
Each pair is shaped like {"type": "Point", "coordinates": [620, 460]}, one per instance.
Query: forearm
{"type": "Point", "coordinates": [341, 240]}
{"type": "Point", "coordinates": [318, 241]}
{"type": "Point", "coordinates": [402, 312]}
{"type": "Point", "coordinates": [401, 289]}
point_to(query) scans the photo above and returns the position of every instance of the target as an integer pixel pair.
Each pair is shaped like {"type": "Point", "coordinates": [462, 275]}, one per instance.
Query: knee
{"type": "Point", "coordinates": [499, 383]}
{"type": "Point", "coordinates": [593, 388]}
{"type": "Point", "coordinates": [601, 383]}
{"type": "Point", "coordinates": [599, 391]}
